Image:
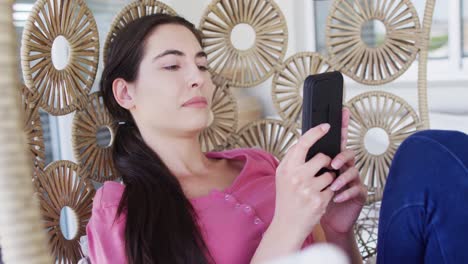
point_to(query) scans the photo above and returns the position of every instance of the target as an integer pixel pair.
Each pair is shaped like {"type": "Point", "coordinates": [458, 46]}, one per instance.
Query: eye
{"type": "Point", "coordinates": [172, 67]}
{"type": "Point", "coordinates": [203, 68]}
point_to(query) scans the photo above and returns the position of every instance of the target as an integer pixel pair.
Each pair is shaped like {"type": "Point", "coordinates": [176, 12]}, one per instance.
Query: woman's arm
{"type": "Point", "coordinates": [105, 232]}
{"type": "Point", "coordinates": [105, 237]}
{"type": "Point", "coordinates": [278, 240]}
{"type": "Point", "coordinates": [346, 242]}
{"type": "Point", "coordinates": [301, 199]}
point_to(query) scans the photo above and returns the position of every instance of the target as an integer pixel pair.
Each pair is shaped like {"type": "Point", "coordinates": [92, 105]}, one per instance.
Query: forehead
{"type": "Point", "coordinates": [172, 36]}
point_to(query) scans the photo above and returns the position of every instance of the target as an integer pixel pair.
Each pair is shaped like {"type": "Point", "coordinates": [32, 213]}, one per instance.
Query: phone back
{"type": "Point", "coordinates": [323, 103]}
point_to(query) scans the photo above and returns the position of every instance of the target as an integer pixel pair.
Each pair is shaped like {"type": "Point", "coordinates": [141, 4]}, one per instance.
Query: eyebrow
{"type": "Point", "coordinates": [199, 54]}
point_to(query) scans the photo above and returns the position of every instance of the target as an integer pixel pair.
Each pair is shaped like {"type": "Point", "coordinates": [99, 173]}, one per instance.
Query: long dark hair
{"type": "Point", "coordinates": [161, 223]}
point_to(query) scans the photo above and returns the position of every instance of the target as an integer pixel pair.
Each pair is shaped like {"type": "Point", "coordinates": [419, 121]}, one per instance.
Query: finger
{"type": "Point", "coordinates": [323, 198]}
{"type": "Point", "coordinates": [315, 164]}
{"type": "Point", "coordinates": [346, 157]}
{"type": "Point", "coordinates": [321, 182]}
{"type": "Point", "coordinates": [356, 191]}
{"type": "Point", "coordinates": [327, 195]}
{"type": "Point", "coordinates": [349, 176]}
{"type": "Point", "coordinates": [288, 153]}
{"type": "Point", "coordinates": [299, 153]}
{"type": "Point", "coordinates": [344, 127]}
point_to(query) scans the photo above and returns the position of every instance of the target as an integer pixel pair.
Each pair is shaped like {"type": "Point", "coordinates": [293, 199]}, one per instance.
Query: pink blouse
{"type": "Point", "coordinates": [232, 221]}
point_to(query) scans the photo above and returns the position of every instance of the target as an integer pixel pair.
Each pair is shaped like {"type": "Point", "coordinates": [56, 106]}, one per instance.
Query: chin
{"type": "Point", "coordinates": [205, 121]}
{"type": "Point", "coordinates": [197, 125]}
{"type": "Point", "coordinates": [196, 122]}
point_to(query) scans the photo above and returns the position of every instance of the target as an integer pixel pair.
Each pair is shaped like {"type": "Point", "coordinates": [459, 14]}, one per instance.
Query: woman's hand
{"type": "Point", "coordinates": [302, 198]}
{"type": "Point", "coordinates": [351, 194]}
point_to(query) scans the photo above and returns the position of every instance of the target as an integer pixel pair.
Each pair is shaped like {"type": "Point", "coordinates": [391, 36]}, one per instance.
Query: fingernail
{"type": "Point", "coordinates": [336, 185]}
{"type": "Point", "coordinates": [336, 164]}
{"type": "Point", "coordinates": [338, 198]}
{"type": "Point", "coordinates": [325, 127]}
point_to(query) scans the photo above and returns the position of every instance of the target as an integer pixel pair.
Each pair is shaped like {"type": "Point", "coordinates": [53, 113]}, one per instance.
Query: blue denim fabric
{"type": "Point", "coordinates": [424, 213]}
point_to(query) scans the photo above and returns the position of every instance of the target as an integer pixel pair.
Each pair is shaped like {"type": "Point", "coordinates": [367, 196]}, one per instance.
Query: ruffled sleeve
{"type": "Point", "coordinates": [270, 158]}
{"type": "Point", "coordinates": [106, 234]}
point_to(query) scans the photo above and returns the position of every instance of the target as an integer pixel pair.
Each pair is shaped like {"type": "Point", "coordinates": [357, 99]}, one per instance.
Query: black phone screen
{"type": "Point", "coordinates": [323, 103]}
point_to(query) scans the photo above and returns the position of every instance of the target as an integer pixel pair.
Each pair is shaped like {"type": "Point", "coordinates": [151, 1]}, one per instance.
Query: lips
{"type": "Point", "coordinates": [196, 100]}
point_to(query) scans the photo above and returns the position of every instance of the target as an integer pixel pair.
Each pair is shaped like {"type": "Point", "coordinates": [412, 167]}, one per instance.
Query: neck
{"type": "Point", "coordinates": [181, 154]}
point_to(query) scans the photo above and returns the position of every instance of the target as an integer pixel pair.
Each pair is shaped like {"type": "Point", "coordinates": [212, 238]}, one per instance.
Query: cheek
{"type": "Point", "coordinates": [161, 88]}
{"type": "Point", "coordinates": [160, 98]}
{"type": "Point", "coordinates": [211, 88]}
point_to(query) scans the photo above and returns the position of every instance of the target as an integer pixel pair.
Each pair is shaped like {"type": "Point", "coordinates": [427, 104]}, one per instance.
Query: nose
{"type": "Point", "coordinates": [196, 77]}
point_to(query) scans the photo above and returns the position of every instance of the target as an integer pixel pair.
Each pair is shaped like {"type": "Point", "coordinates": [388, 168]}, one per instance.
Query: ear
{"type": "Point", "coordinates": [123, 93]}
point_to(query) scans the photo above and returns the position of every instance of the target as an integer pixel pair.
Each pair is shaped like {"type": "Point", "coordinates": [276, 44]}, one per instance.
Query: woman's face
{"type": "Point", "coordinates": [172, 72]}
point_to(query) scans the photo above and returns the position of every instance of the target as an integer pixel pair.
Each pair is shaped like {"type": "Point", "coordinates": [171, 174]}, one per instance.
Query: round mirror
{"type": "Point", "coordinates": [48, 121]}
{"type": "Point", "coordinates": [60, 53]}
{"type": "Point", "coordinates": [376, 141]}
{"type": "Point", "coordinates": [104, 137]}
{"type": "Point", "coordinates": [373, 33]}
{"type": "Point", "coordinates": [243, 36]}
{"type": "Point", "coordinates": [68, 223]}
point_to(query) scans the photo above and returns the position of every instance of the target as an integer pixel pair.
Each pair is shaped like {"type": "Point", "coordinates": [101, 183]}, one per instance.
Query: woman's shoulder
{"type": "Point", "coordinates": [108, 195]}
{"type": "Point", "coordinates": [260, 155]}
{"type": "Point", "coordinates": [255, 153]}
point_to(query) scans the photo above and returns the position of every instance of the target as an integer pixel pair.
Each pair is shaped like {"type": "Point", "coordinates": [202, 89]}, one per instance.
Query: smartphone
{"type": "Point", "coordinates": [323, 103]}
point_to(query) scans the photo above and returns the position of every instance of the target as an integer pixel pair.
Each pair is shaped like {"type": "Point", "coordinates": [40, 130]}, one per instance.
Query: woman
{"type": "Point", "coordinates": [180, 205]}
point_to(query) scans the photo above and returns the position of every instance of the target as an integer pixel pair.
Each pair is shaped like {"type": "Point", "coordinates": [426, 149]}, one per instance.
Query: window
{"type": "Point", "coordinates": [465, 27]}
{"type": "Point", "coordinates": [374, 32]}
{"type": "Point", "coordinates": [448, 46]}
{"type": "Point", "coordinates": [321, 9]}
{"type": "Point", "coordinates": [47, 125]}
{"type": "Point", "coordinates": [439, 39]}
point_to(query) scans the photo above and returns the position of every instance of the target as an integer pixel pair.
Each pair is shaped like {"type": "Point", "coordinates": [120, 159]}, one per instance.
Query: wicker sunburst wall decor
{"type": "Point", "coordinates": [224, 124]}
{"type": "Point", "coordinates": [395, 120]}
{"type": "Point", "coordinates": [288, 82]}
{"type": "Point", "coordinates": [385, 61]}
{"type": "Point", "coordinates": [95, 157]}
{"type": "Point", "coordinates": [62, 91]}
{"type": "Point", "coordinates": [253, 65]}
{"type": "Point", "coordinates": [62, 88]}
{"type": "Point", "coordinates": [274, 136]}
{"type": "Point", "coordinates": [422, 63]}
{"type": "Point", "coordinates": [61, 186]}
{"type": "Point", "coordinates": [132, 11]}
{"type": "Point", "coordinates": [33, 128]}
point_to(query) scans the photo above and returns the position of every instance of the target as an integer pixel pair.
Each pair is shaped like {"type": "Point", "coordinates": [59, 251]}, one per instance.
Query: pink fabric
{"type": "Point", "coordinates": [232, 221]}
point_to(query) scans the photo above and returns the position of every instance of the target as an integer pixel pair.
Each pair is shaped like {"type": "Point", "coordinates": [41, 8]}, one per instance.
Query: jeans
{"type": "Point", "coordinates": [424, 212]}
